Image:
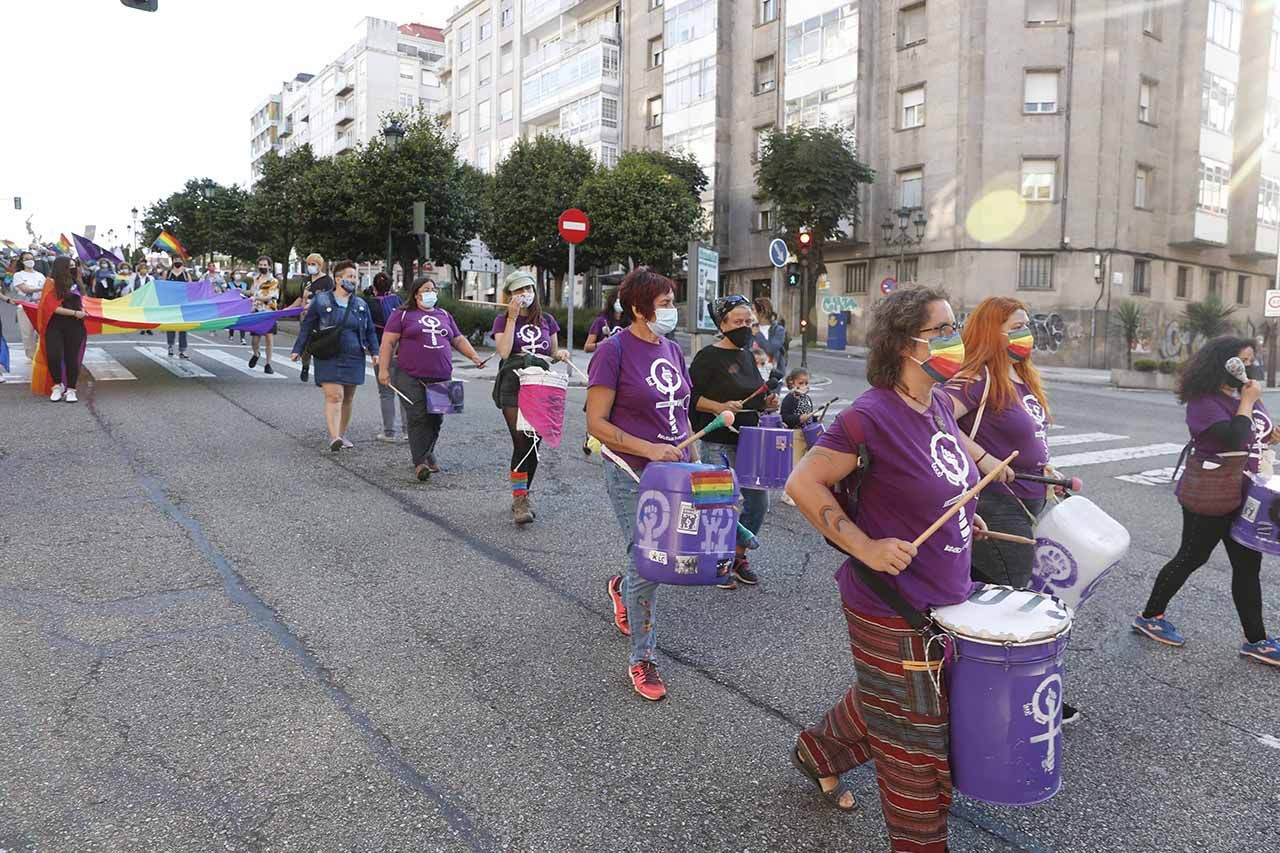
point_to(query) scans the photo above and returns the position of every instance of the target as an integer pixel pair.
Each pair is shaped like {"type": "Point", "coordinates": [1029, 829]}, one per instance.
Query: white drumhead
{"type": "Point", "coordinates": [1005, 614]}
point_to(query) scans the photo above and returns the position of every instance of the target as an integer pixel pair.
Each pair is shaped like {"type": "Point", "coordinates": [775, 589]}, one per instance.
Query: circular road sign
{"type": "Point", "coordinates": [1273, 303]}
{"type": "Point", "coordinates": [574, 225]}
{"type": "Point", "coordinates": [888, 285]}
{"type": "Point", "coordinates": [778, 252]}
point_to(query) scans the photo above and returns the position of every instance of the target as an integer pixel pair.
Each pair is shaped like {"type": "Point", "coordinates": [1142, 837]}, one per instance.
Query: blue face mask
{"type": "Point", "coordinates": [427, 298]}
{"type": "Point", "coordinates": [348, 285]}
{"type": "Point", "coordinates": [664, 321]}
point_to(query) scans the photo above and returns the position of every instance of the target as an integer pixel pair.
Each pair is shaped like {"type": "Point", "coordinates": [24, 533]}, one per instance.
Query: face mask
{"type": "Point", "coordinates": [664, 321]}
{"type": "Point", "coordinates": [1020, 342]}
{"type": "Point", "coordinates": [29, 265]}
{"type": "Point", "coordinates": [312, 269]}
{"type": "Point", "coordinates": [946, 356]}
{"type": "Point", "coordinates": [427, 298]}
{"type": "Point", "coordinates": [262, 270]}
{"type": "Point", "coordinates": [235, 277]}
{"type": "Point", "coordinates": [1254, 372]}
{"type": "Point", "coordinates": [524, 300]}
{"type": "Point", "coordinates": [617, 306]}
{"type": "Point", "coordinates": [740, 336]}
{"type": "Point", "coordinates": [348, 285]}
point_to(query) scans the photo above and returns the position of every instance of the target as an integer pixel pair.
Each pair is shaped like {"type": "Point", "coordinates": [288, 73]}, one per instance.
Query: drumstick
{"type": "Point", "coordinates": [482, 363]}
{"type": "Point", "coordinates": [400, 395]}
{"type": "Point", "coordinates": [1008, 537]}
{"type": "Point", "coordinates": [822, 414]}
{"type": "Point", "coordinates": [724, 419]}
{"type": "Point", "coordinates": [968, 496]}
{"type": "Point", "coordinates": [755, 392]}
{"type": "Point", "coordinates": [618, 460]}
{"type": "Point", "coordinates": [577, 370]}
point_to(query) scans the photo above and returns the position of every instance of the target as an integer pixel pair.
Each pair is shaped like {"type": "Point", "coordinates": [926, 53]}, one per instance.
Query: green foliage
{"type": "Point", "coordinates": [1127, 322]}
{"type": "Point", "coordinates": [1169, 366]}
{"type": "Point", "coordinates": [473, 320]}
{"type": "Point", "coordinates": [330, 197]}
{"type": "Point", "coordinates": [278, 210]}
{"type": "Point", "coordinates": [202, 225]}
{"type": "Point", "coordinates": [1207, 319]}
{"type": "Point", "coordinates": [1145, 365]}
{"type": "Point", "coordinates": [639, 215]}
{"type": "Point", "coordinates": [680, 165]}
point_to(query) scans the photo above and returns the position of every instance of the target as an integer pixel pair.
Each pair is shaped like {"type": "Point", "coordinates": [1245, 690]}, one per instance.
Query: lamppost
{"type": "Point", "coordinates": [392, 134]}
{"type": "Point", "coordinates": [902, 239]}
{"type": "Point", "coordinates": [133, 231]}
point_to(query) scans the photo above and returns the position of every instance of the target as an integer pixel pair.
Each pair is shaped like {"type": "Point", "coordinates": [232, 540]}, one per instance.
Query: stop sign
{"type": "Point", "coordinates": [574, 225]}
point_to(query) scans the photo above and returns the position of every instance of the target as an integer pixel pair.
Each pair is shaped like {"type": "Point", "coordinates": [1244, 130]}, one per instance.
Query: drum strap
{"type": "Point", "coordinates": [894, 599]}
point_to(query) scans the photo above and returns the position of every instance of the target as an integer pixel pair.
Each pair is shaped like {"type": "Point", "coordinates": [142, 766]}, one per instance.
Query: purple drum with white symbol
{"type": "Point", "coordinates": [1004, 676]}
{"type": "Point", "coordinates": [765, 457]}
{"type": "Point", "coordinates": [444, 398]}
{"type": "Point", "coordinates": [1257, 524]}
{"type": "Point", "coordinates": [686, 523]}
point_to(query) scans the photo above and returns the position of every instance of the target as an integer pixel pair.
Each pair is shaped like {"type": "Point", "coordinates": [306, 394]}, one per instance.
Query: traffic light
{"type": "Point", "coordinates": [805, 239]}
{"type": "Point", "coordinates": [144, 5]}
{"type": "Point", "coordinates": [793, 275]}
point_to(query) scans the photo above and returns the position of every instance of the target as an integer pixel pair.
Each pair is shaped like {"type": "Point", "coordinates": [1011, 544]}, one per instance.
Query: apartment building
{"type": "Point", "coordinates": [264, 133]}
{"type": "Point", "coordinates": [388, 67]}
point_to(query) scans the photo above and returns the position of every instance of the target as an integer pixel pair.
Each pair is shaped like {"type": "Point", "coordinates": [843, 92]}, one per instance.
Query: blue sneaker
{"type": "Point", "coordinates": [1159, 629]}
{"type": "Point", "coordinates": [1267, 651]}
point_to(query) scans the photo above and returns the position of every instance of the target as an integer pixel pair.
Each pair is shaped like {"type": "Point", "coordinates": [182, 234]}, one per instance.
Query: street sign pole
{"type": "Point", "coordinates": [804, 313]}
{"type": "Point", "coordinates": [574, 226]}
{"type": "Point", "coordinates": [573, 293]}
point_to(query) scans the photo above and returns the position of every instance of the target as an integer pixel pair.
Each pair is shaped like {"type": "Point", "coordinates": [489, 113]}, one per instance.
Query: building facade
{"type": "Point", "coordinates": [264, 133]}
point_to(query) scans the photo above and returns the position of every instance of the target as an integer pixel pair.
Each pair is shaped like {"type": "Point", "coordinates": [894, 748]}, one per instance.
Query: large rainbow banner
{"type": "Point", "coordinates": [175, 306]}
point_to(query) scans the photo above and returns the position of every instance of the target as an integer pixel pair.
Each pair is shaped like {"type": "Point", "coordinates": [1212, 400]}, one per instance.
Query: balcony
{"type": "Point", "coordinates": [286, 128]}
{"type": "Point", "coordinates": [344, 84]}
{"type": "Point", "coordinates": [345, 141]}
{"type": "Point", "coordinates": [344, 114]}
{"type": "Point", "coordinates": [577, 75]}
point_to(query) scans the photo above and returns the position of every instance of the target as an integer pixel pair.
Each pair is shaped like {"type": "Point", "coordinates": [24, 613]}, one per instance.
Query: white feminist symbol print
{"type": "Point", "coordinates": [433, 327]}
{"type": "Point", "coordinates": [1044, 707]}
{"type": "Point", "coordinates": [664, 379]}
{"type": "Point", "coordinates": [531, 335]}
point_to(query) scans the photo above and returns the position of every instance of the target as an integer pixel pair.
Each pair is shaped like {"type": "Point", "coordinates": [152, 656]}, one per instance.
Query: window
{"type": "Point", "coordinates": [484, 70]}
{"type": "Point", "coordinates": [768, 11]}
{"type": "Point", "coordinates": [655, 51]}
{"type": "Point", "coordinates": [484, 115]}
{"type": "Point", "coordinates": [1214, 177]}
{"type": "Point", "coordinates": [856, 277]}
{"type": "Point", "coordinates": [823, 38]}
{"type": "Point", "coordinates": [908, 268]}
{"type": "Point", "coordinates": [762, 134]}
{"type": "Point", "coordinates": [1146, 101]}
{"type": "Point", "coordinates": [655, 111]}
{"type": "Point", "coordinates": [608, 112]}
{"type": "Point", "coordinates": [655, 4]}
{"type": "Point", "coordinates": [608, 155]}
{"type": "Point", "coordinates": [1035, 272]}
{"type": "Point", "coordinates": [690, 84]}
{"type": "Point", "coordinates": [911, 188]}
{"type": "Point", "coordinates": [505, 106]}
{"type": "Point", "coordinates": [1242, 290]}
{"type": "Point", "coordinates": [1184, 283]}
{"type": "Point", "coordinates": [1142, 188]}
{"type": "Point", "coordinates": [833, 105]}
{"type": "Point", "coordinates": [1038, 178]}
{"type": "Point", "coordinates": [764, 75]}
{"type": "Point", "coordinates": [1150, 17]}
{"type": "Point", "coordinates": [408, 70]}
{"type": "Point", "coordinates": [1269, 202]}
{"type": "Point", "coordinates": [507, 16]}
{"type": "Point", "coordinates": [485, 28]}
{"type": "Point", "coordinates": [1224, 23]}
{"type": "Point", "coordinates": [407, 100]}
{"type": "Point", "coordinates": [506, 59]}
{"type": "Point", "coordinates": [1217, 102]}
{"type": "Point", "coordinates": [912, 26]}
{"type": "Point", "coordinates": [429, 78]}
{"type": "Point", "coordinates": [482, 158]}
{"type": "Point", "coordinates": [1040, 92]}
{"type": "Point", "coordinates": [1141, 278]}
{"type": "Point", "coordinates": [464, 124]}
{"type": "Point", "coordinates": [464, 81]}
{"type": "Point", "coordinates": [764, 220]}
{"type": "Point", "coordinates": [1215, 283]}
{"type": "Point", "coordinates": [464, 38]}
{"type": "Point", "coordinates": [1042, 11]}
{"type": "Point", "coordinates": [912, 107]}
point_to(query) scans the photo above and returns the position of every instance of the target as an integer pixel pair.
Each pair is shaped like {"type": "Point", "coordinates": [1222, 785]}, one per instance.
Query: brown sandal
{"type": "Point", "coordinates": [835, 795]}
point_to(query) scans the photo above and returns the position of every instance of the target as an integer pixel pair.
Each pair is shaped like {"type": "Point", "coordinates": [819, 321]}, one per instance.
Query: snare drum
{"type": "Point", "coordinates": [686, 523]}
{"type": "Point", "coordinates": [444, 398]}
{"type": "Point", "coordinates": [765, 457]}
{"type": "Point", "coordinates": [1005, 683]}
{"type": "Point", "coordinates": [1257, 525]}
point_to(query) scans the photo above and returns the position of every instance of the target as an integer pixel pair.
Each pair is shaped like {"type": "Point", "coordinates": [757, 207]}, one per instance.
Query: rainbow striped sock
{"type": "Point", "coordinates": [519, 483]}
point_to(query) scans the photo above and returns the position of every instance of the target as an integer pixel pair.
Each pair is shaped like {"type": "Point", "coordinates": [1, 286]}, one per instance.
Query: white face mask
{"type": "Point", "coordinates": [312, 269]}
{"type": "Point", "coordinates": [664, 321]}
{"type": "Point", "coordinates": [427, 299]}
{"type": "Point", "coordinates": [524, 300]}
{"type": "Point", "coordinates": [617, 306]}
{"type": "Point", "coordinates": [29, 265]}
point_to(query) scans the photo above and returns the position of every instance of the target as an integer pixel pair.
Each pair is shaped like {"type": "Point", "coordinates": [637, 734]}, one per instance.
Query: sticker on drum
{"type": "Point", "coordinates": [1005, 615]}
{"type": "Point", "coordinates": [1250, 509]}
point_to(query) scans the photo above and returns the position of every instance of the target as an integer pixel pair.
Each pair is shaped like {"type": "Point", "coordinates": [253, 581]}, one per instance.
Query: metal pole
{"type": "Point", "coordinates": [573, 292]}
{"type": "Point", "coordinates": [1272, 329]}
{"type": "Point", "coordinates": [804, 312]}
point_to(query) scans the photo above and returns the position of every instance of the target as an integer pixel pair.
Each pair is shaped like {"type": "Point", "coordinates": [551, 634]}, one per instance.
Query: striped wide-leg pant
{"type": "Point", "coordinates": [893, 716]}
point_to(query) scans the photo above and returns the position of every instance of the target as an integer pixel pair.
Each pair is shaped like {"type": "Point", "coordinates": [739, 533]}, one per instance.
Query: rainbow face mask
{"type": "Point", "coordinates": [946, 356]}
{"type": "Point", "coordinates": [1020, 342]}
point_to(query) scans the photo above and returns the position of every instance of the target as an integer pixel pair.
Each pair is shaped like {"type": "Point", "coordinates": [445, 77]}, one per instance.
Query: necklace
{"type": "Point", "coordinates": [928, 408]}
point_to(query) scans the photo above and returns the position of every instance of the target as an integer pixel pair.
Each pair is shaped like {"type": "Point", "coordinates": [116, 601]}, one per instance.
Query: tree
{"type": "Point", "coordinates": [278, 207]}
{"type": "Point", "coordinates": [681, 165]}
{"type": "Point", "coordinates": [638, 215]}
{"type": "Point", "coordinates": [809, 177]}
{"type": "Point", "coordinates": [330, 202]}
{"type": "Point", "coordinates": [538, 181]}
{"type": "Point", "coordinates": [205, 216]}
{"type": "Point", "coordinates": [1207, 319]}
{"type": "Point", "coordinates": [1128, 322]}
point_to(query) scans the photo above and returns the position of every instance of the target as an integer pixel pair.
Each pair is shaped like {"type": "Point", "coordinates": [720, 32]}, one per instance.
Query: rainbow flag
{"type": "Point", "coordinates": [10, 245]}
{"type": "Point", "coordinates": [712, 487]}
{"type": "Point", "coordinates": [63, 246]}
{"type": "Point", "coordinates": [166, 242]}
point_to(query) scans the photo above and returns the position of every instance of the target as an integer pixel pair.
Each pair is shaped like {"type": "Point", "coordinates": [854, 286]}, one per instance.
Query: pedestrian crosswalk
{"type": "Point", "coordinates": [1104, 448]}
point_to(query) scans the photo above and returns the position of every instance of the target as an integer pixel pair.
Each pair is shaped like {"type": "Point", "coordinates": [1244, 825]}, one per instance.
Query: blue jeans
{"type": "Point", "coordinates": [755, 502]}
{"type": "Point", "coordinates": [182, 340]}
{"type": "Point", "coordinates": [639, 595]}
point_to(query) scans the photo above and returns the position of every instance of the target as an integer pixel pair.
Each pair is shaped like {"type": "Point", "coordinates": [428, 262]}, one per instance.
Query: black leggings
{"type": "Point", "coordinates": [1200, 535]}
{"type": "Point", "coordinates": [524, 456]}
{"type": "Point", "coordinates": [63, 344]}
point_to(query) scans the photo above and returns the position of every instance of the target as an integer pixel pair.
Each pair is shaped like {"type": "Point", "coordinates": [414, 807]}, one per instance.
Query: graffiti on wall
{"type": "Point", "coordinates": [1174, 343]}
{"type": "Point", "coordinates": [1049, 330]}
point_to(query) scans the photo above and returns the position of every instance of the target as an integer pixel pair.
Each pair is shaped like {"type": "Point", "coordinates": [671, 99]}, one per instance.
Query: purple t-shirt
{"type": "Point", "coordinates": [426, 342]}
{"type": "Point", "coordinates": [530, 339]}
{"type": "Point", "coordinates": [1204, 412]}
{"type": "Point", "coordinates": [1021, 427]}
{"type": "Point", "coordinates": [601, 328]}
{"type": "Point", "coordinates": [918, 468]}
{"type": "Point", "coordinates": [651, 389]}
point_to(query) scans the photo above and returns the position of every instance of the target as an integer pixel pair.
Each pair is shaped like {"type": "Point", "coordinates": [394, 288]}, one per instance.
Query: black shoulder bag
{"type": "Point", "coordinates": [327, 343]}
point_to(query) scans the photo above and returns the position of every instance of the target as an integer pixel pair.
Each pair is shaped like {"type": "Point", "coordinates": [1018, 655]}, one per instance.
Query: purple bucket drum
{"type": "Point", "coordinates": [1077, 546]}
{"type": "Point", "coordinates": [1257, 525]}
{"type": "Point", "coordinates": [765, 457]}
{"type": "Point", "coordinates": [686, 523]}
{"type": "Point", "coordinates": [444, 398]}
{"type": "Point", "coordinates": [771, 421]}
{"type": "Point", "coordinates": [1005, 682]}
{"type": "Point", "coordinates": [812, 431]}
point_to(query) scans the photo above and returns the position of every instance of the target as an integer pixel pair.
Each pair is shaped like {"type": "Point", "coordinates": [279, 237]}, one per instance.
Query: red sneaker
{"type": "Point", "coordinates": [619, 607]}
{"type": "Point", "coordinates": [645, 680]}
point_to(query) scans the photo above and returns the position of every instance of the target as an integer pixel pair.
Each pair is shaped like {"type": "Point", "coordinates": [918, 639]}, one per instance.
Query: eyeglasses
{"type": "Point", "coordinates": [945, 330]}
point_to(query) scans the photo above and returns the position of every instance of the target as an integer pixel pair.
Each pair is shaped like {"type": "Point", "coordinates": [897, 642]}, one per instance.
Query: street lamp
{"type": "Point", "coordinates": [903, 238]}
{"type": "Point", "coordinates": [391, 134]}
{"type": "Point", "coordinates": [133, 231]}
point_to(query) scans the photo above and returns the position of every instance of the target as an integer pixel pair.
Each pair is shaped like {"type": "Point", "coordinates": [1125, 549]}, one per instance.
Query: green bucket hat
{"type": "Point", "coordinates": [518, 279]}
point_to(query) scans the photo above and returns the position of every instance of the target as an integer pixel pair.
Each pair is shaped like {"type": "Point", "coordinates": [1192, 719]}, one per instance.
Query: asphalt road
{"type": "Point", "coordinates": [214, 635]}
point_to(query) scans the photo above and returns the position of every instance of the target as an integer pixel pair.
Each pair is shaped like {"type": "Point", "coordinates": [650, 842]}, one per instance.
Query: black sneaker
{"type": "Point", "coordinates": [306, 371]}
{"type": "Point", "coordinates": [742, 569]}
{"type": "Point", "coordinates": [253, 361]}
{"type": "Point", "coordinates": [184, 355]}
{"type": "Point", "coordinates": [268, 369]}
{"type": "Point", "coordinates": [1070, 714]}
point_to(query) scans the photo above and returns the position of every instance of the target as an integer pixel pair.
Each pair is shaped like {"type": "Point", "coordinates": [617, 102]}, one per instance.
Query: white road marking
{"type": "Point", "coordinates": [1083, 438]}
{"type": "Point", "coordinates": [297, 365]}
{"type": "Point", "coordinates": [1115, 454]}
{"type": "Point", "coordinates": [103, 367]}
{"type": "Point", "coordinates": [1154, 477]}
{"type": "Point", "coordinates": [179, 367]}
{"type": "Point", "coordinates": [240, 364]}
{"type": "Point", "coordinates": [19, 366]}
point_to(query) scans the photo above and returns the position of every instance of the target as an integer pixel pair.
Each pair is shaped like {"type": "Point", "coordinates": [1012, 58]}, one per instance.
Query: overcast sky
{"type": "Point", "coordinates": [109, 108]}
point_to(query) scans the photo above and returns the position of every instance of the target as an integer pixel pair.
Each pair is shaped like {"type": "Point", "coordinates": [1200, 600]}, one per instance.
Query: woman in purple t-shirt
{"type": "Point", "coordinates": [916, 468]}
{"type": "Point", "coordinates": [427, 336]}
{"type": "Point", "coordinates": [1223, 415]}
{"type": "Point", "coordinates": [605, 326]}
{"type": "Point", "coordinates": [638, 406]}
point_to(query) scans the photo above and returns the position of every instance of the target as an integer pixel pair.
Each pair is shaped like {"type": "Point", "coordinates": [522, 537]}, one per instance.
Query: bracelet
{"type": "Point", "coordinates": [984, 455]}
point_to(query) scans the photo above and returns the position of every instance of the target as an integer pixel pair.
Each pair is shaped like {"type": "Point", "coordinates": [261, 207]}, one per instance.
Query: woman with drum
{"type": "Point", "coordinates": [427, 337]}
{"type": "Point", "coordinates": [1225, 415]}
{"type": "Point", "coordinates": [725, 379]}
{"type": "Point", "coordinates": [524, 337]}
{"type": "Point", "coordinates": [638, 406]}
{"type": "Point", "coordinates": [915, 468]}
